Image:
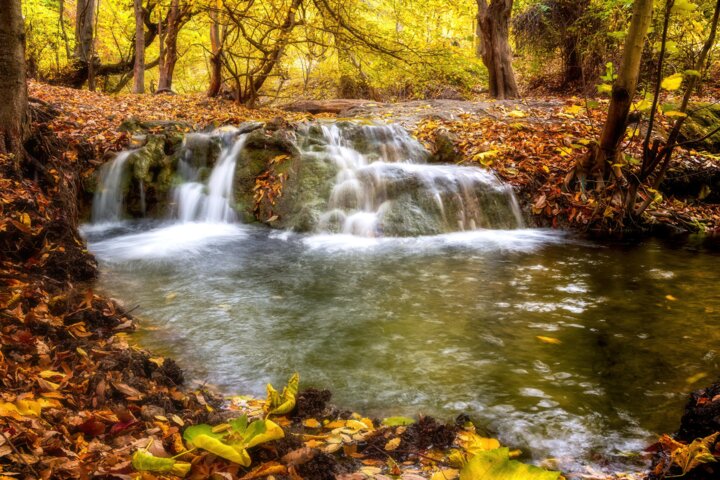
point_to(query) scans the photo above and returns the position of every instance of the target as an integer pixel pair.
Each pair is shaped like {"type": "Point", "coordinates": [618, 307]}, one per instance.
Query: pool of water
{"type": "Point", "coordinates": [436, 325]}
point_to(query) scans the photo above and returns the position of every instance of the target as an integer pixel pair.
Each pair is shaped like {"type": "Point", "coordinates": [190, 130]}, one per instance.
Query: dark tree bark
{"type": "Point", "coordinates": [217, 39]}
{"type": "Point", "coordinates": [493, 21]}
{"type": "Point", "coordinates": [168, 58]}
{"type": "Point", "coordinates": [84, 30]}
{"type": "Point", "coordinates": [139, 68]}
{"type": "Point", "coordinates": [14, 119]}
{"type": "Point", "coordinates": [572, 61]}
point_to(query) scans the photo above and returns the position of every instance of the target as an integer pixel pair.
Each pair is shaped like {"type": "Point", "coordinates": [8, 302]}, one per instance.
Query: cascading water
{"type": "Point", "coordinates": [366, 180]}
{"type": "Point", "coordinates": [385, 187]}
{"type": "Point", "coordinates": [209, 202]}
{"type": "Point", "coordinates": [108, 202]}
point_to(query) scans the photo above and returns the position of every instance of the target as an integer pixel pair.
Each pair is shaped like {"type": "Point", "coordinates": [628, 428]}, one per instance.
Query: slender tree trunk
{"type": "Point", "coordinates": [139, 68]}
{"type": "Point", "coordinates": [624, 87]}
{"type": "Point", "coordinates": [14, 119]}
{"type": "Point", "coordinates": [169, 57]}
{"type": "Point", "coordinates": [84, 30]}
{"type": "Point", "coordinates": [216, 52]}
{"type": "Point", "coordinates": [61, 21]}
{"type": "Point", "coordinates": [493, 20]}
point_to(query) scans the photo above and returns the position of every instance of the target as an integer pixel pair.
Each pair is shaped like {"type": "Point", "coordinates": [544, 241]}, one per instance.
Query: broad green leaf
{"type": "Point", "coordinates": [144, 461]}
{"type": "Point", "coordinates": [497, 465]}
{"type": "Point", "coordinates": [234, 453]}
{"type": "Point", "coordinates": [231, 441]}
{"type": "Point", "coordinates": [692, 73]}
{"type": "Point", "coordinates": [280, 404]}
{"type": "Point", "coordinates": [397, 421]}
{"type": "Point", "coordinates": [672, 82]}
{"type": "Point", "coordinates": [270, 431]}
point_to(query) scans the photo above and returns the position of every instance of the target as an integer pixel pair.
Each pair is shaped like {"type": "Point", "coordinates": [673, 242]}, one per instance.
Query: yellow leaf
{"type": "Point", "coordinates": [445, 474]}
{"type": "Point", "coordinates": [142, 461]}
{"type": "Point", "coordinates": [551, 340]}
{"type": "Point", "coordinates": [50, 374]}
{"type": "Point", "coordinates": [280, 404]}
{"type": "Point", "coordinates": [694, 378]}
{"type": "Point", "coordinates": [574, 109]}
{"type": "Point", "coordinates": [392, 444]}
{"type": "Point", "coordinates": [25, 219]}
{"type": "Point", "coordinates": [10, 410]}
{"type": "Point", "coordinates": [312, 423]}
{"type": "Point", "coordinates": [517, 114]}
{"type": "Point", "coordinates": [675, 114]}
{"type": "Point", "coordinates": [473, 443]}
{"type": "Point", "coordinates": [672, 82]}
{"type": "Point", "coordinates": [671, 298]}
{"type": "Point", "coordinates": [690, 456]}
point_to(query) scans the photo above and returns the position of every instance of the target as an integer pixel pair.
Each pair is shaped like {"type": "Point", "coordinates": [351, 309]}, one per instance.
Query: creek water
{"type": "Point", "coordinates": [436, 324]}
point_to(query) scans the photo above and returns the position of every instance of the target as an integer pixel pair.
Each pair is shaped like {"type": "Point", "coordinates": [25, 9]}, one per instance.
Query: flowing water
{"type": "Point", "coordinates": [108, 204]}
{"type": "Point", "coordinates": [439, 325]}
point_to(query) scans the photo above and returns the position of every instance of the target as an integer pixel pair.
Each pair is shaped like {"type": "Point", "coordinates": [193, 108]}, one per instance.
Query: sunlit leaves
{"type": "Point", "coordinates": [672, 82]}
{"type": "Point", "coordinates": [496, 465]}
{"type": "Point", "coordinates": [282, 403]}
{"type": "Point", "coordinates": [144, 461]}
{"type": "Point", "coordinates": [397, 421]}
{"type": "Point", "coordinates": [683, 7]}
{"type": "Point", "coordinates": [231, 441]}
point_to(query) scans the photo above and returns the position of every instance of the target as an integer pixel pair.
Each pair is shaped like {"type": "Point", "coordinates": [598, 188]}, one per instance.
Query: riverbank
{"type": "Point", "coordinates": [79, 398]}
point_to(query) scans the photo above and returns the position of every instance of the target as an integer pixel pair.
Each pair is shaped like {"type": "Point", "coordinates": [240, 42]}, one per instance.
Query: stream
{"type": "Point", "coordinates": [564, 348]}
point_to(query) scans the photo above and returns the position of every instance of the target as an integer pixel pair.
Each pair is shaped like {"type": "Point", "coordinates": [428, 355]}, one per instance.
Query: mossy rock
{"type": "Point", "coordinates": [404, 217]}
{"type": "Point", "coordinates": [261, 146]}
{"type": "Point", "coordinates": [310, 179]}
{"type": "Point", "coordinates": [702, 119]}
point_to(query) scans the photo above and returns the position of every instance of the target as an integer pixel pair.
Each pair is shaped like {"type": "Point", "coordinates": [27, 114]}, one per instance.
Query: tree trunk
{"type": "Point", "coordinates": [169, 55]}
{"type": "Point", "coordinates": [479, 45]}
{"type": "Point", "coordinates": [216, 52]}
{"type": "Point", "coordinates": [572, 68]}
{"type": "Point", "coordinates": [84, 30]}
{"type": "Point", "coordinates": [14, 119]}
{"type": "Point", "coordinates": [61, 21]}
{"type": "Point", "coordinates": [624, 87]}
{"type": "Point", "coordinates": [139, 68]}
{"type": "Point", "coordinates": [493, 20]}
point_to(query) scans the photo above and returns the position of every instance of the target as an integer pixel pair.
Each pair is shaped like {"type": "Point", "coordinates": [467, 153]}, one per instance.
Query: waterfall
{"type": "Point", "coordinates": [209, 201]}
{"type": "Point", "coordinates": [354, 178]}
{"type": "Point", "coordinates": [385, 187]}
{"type": "Point", "coordinates": [108, 200]}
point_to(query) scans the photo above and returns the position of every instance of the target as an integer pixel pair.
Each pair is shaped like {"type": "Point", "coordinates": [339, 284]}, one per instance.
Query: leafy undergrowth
{"type": "Point", "coordinates": [534, 148]}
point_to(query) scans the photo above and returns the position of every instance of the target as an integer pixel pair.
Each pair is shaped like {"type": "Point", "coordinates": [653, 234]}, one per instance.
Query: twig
{"type": "Point", "coordinates": [19, 455]}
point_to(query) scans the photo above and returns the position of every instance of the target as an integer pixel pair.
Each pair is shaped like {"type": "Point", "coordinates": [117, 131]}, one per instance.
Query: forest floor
{"type": "Point", "coordinates": [78, 398]}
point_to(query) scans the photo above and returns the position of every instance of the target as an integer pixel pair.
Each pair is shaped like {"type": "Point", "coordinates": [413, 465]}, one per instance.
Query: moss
{"type": "Point", "coordinates": [703, 118]}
